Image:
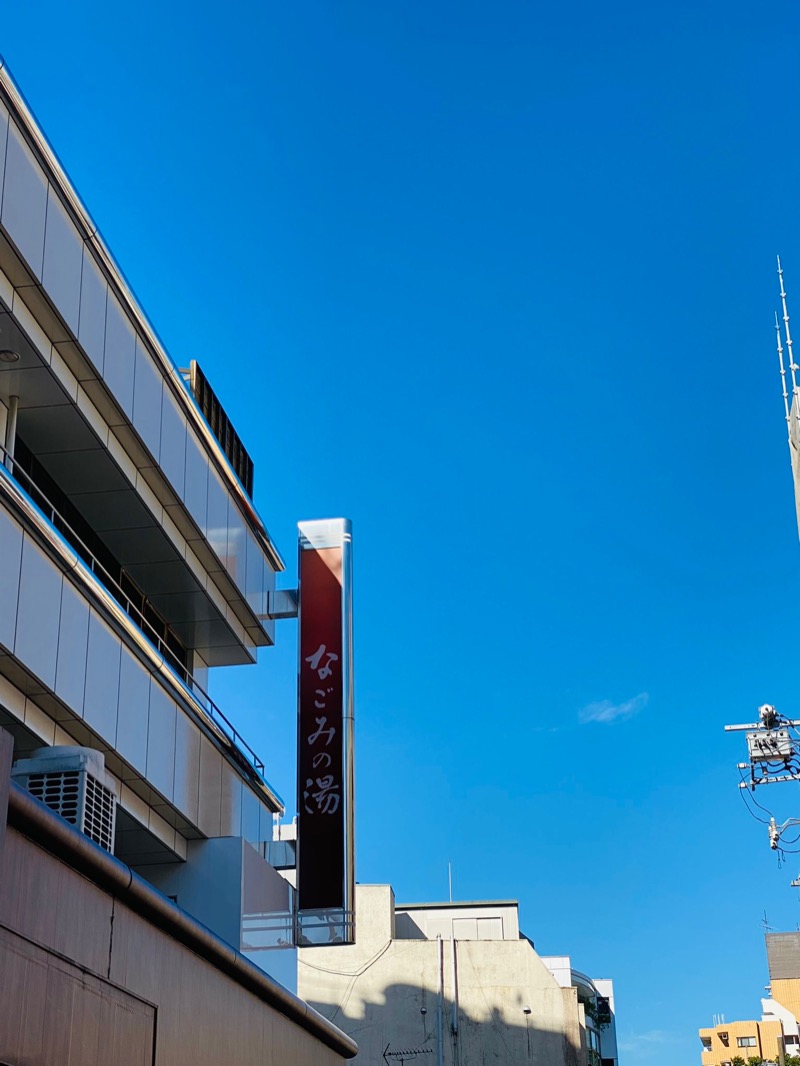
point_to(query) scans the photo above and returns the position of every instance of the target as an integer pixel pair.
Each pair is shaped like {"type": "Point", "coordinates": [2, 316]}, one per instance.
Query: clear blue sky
{"type": "Point", "coordinates": [496, 281]}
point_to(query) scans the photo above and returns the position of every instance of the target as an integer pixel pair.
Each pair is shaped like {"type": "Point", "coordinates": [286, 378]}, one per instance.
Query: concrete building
{"type": "Point", "coordinates": [454, 980]}
{"type": "Point", "coordinates": [132, 561]}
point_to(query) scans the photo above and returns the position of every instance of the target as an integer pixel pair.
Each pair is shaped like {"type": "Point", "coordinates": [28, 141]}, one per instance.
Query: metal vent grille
{"type": "Point", "coordinates": [72, 782]}
{"type": "Point", "coordinates": [221, 427]}
{"type": "Point", "coordinates": [58, 791]}
{"type": "Point", "coordinates": [98, 815]}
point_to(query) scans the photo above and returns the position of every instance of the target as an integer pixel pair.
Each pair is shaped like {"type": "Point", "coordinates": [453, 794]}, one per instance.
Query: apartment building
{"type": "Point", "coordinates": [133, 560]}
{"type": "Point", "coordinates": [777, 1034]}
{"type": "Point", "coordinates": [727, 1041]}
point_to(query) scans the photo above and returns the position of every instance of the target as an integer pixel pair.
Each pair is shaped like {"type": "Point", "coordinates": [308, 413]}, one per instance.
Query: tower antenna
{"type": "Point", "coordinates": [792, 364]}
{"type": "Point", "coordinates": [783, 368]}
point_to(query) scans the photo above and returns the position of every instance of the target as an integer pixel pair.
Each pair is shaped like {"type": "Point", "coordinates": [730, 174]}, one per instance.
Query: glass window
{"type": "Point", "coordinates": [746, 1041]}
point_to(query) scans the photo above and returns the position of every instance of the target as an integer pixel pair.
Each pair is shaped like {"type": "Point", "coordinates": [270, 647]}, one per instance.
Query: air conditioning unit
{"type": "Point", "coordinates": [72, 782]}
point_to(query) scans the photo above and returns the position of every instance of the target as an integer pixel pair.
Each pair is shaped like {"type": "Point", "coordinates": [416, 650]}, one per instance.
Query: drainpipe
{"type": "Point", "coordinates": [455, 989]}
{"type": "Point", "coordinates": [440, 1001]}
{"type": "Point", "coordinates": [11, 430]}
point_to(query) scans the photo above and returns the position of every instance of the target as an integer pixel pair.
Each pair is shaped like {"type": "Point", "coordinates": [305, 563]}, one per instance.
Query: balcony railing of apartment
{"type": "Point", "coordinates": [11, 468]}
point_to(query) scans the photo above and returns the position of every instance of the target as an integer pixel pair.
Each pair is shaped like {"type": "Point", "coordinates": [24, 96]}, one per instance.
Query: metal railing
{"type": "Point", "coordinates": [13, 469]}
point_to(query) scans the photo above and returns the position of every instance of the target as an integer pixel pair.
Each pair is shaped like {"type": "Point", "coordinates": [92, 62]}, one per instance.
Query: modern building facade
{"type": "Point", "coordinates": [132, 561]}
{"type": "Point", "coordinates": [456, 981]}
{"type": "Point", "coordinates": [596, 997]}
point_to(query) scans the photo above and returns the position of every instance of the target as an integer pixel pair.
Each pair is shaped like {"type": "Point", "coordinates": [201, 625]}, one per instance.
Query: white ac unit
{"type": "Point", "coordinates": [72, 782]}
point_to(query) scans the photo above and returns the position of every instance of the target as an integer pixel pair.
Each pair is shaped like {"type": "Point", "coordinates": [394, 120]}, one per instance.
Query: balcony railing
{"type": "Point", "coordinates": [12, 469]}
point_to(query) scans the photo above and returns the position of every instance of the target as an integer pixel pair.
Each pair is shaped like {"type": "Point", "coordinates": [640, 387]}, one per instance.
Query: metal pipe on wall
{"type": "Point", "coordinates": [440, 1001]}
{"type": "Point", "coordinates": [455, 988]}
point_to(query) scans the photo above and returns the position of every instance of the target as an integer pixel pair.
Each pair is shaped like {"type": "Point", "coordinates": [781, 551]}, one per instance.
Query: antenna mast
{"type": "Point", "coordinates": [783, 368]}
{"type": "Point", "coordinates": [792, 364]}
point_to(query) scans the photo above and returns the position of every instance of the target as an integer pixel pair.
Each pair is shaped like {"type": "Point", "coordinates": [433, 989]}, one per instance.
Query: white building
{"type": "Point", "coordinates": [596, 996]}
{"type": "Point", "coordinates": [456, 981]}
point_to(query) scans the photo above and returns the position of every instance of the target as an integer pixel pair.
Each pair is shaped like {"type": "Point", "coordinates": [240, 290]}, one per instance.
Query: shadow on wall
{"type": "Point", "coordinates": [402, 1025]}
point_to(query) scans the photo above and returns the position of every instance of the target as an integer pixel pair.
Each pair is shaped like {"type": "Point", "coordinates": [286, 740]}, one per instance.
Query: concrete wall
{"type": "Point", "coordinates": [464, 921]}
{"type": "Point", "coordinates": [84, 980]}
{"type": "Point", "coordinates": [229, 887]}
{"type": "Point", "coordinates": [384, 992]}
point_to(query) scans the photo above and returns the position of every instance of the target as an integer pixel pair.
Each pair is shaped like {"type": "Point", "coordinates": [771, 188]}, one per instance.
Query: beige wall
{"type": "Point", "coordinates": [83, 978]}
{"type": "Point", "coordinates": [769, 1042]}
{"type": "Point", "coordinates": [787, 993]}
{"type": "Point", "coordinates": [385, 992]}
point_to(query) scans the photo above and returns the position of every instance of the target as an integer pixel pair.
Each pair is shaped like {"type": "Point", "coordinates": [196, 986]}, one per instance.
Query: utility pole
{"type": "Point", "coordinates": [773, 747]}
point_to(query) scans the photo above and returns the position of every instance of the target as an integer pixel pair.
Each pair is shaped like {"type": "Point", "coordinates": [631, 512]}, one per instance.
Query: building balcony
{"type": "Point", "coordinates": [78, 666]}
{"type": "Point", "coordinates": [106, 415]}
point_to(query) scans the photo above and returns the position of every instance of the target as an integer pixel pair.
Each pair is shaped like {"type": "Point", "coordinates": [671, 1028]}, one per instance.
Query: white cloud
{"type": "Point", "coordinates": [606, 711]}
{"type": "Point", "coordinates": [640, 1042]}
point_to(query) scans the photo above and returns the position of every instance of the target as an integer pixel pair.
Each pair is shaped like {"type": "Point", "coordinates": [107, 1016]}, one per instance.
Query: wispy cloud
{"type": "Point", "coordinates": [606, 711]}
{"type": "Point", "coordinates": [640, 1042]}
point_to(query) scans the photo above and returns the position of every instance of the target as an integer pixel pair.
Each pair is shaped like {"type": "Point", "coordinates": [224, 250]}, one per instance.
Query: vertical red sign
{"type": "Point", "coordinates": [322, 784]}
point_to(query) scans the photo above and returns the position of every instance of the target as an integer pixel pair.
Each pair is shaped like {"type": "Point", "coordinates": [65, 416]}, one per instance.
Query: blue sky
{"type": "Point", "coordinates": [497, 283]}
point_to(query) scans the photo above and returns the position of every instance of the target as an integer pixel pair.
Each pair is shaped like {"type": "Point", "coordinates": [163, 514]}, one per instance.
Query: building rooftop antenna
{"type": "Point", "coordinates": [783, 368]}
{"type": "Point", "coordinates": [793, 367]}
